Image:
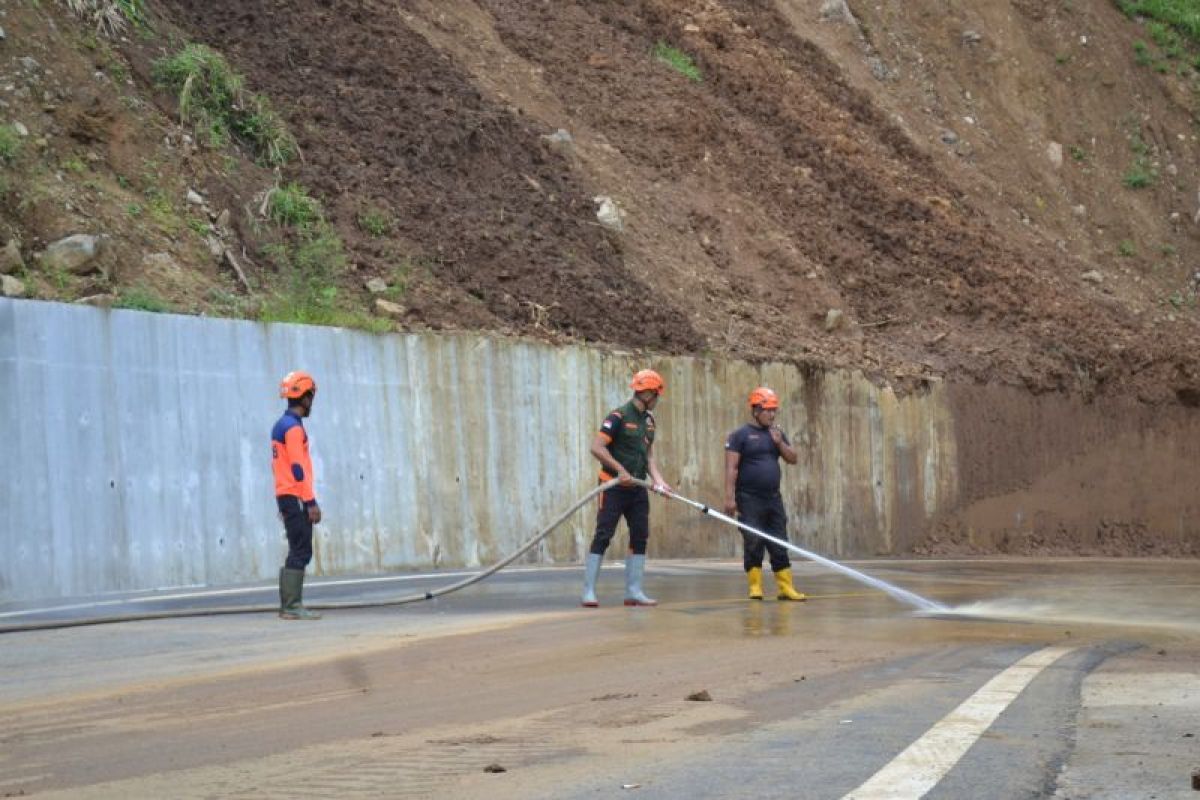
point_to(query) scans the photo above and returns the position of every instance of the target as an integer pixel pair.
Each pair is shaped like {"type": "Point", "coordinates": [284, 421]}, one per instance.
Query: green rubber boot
{"type": "Point", "coordinates": [291, 595]}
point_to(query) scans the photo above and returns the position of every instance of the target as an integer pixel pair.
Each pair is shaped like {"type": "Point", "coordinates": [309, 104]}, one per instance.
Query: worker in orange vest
{"type": "Point", "coordinates": [294, 493]}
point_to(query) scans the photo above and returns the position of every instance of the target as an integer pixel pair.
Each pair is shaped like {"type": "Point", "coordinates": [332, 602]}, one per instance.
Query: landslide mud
{"type": "Point", "coordinates": [1057, 476]}
{"type": "Point", "coordinates": [760, 197]}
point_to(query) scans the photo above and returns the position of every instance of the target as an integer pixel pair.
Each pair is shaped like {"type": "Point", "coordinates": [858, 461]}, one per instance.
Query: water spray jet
{"type": "Point", "coordinates": [921, 604]}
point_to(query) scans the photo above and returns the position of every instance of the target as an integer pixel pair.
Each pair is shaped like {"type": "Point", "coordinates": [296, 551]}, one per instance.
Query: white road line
{"type": "Point", "coordinates": [310, 586]}
{"type": "Point", "coordinates": [926, 761]}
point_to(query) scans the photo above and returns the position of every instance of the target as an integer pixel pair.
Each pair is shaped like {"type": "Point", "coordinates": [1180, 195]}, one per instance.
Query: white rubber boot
{"type": "Point", "coordinates": [635, 567]}
{"type": "Point", "coordinates": [591, 571]}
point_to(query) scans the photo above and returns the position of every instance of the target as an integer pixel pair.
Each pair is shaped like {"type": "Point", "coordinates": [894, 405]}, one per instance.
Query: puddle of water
{"type": "Point", "coordinates": [1043, 613]}
{"type": "Point", "coordinates": [1144, 601]}
{"type": "Point", "coordinates": [1139, 599]}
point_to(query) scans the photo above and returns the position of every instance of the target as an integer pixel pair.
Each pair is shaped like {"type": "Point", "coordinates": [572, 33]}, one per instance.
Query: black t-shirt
{"type": "Point", "coordinates": [758, 468]}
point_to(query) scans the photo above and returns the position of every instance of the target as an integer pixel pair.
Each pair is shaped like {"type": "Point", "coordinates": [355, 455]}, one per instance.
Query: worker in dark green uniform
{"type": "Point", "coordinates": [624, 446]}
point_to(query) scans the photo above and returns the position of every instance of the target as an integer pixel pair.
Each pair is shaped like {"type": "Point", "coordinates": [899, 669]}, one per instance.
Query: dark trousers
{"type": "Point", "coordinates": [631, 502]}
{"type": "Point", "coordinates": [299, 531]}
{"type": "Point", "coordinates": [767, 515]}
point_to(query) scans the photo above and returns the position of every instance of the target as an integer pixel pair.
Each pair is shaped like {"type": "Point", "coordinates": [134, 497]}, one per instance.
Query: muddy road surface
{"type": "Point", "coordinates": [1063, 678]}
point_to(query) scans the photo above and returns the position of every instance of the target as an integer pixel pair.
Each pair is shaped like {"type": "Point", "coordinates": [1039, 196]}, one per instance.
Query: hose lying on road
{"type": "Point", "coordinates": [902, 595]}
{"type": "Point", "coordinates": [42, 625]}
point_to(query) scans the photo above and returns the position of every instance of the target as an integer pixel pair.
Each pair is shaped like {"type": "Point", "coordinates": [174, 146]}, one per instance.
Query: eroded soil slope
{"type": "Point", "coordinates": [927, 194]}
{"type": "Point", "coordinates": [757, 198]}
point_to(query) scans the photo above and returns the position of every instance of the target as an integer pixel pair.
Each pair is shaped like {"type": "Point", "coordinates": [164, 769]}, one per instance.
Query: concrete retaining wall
{"type": "Point", "coordinates": [136, 449]}
{"type": "Point", "coordinates": [136, 453]}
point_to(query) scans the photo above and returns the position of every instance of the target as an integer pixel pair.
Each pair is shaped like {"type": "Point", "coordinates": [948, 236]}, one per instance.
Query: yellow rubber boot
{"type": "Point", "coordinates": [783, 582]}
{"type": "Point", "coordinates": [754, 578]}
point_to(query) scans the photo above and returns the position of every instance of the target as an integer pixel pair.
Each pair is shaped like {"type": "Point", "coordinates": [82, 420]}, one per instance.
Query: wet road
{"type": "Point", "coordinates": [1068, 678]}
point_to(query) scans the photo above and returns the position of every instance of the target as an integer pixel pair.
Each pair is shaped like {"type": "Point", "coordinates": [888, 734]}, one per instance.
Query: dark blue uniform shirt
{"type": "Point", "coordinates": [758, 469]}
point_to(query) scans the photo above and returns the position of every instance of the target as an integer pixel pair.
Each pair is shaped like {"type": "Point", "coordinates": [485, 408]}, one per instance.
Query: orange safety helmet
{"type": "Point", "coordinates": [296, 384]}
{"type": "Point", "coordinates": [764, 397]}
{"type": "Point", "coordinates": [647, 380]}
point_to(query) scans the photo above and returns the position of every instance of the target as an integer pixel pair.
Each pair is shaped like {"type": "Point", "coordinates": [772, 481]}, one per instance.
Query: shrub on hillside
{"type": "Point", "coordinates": [1182, 15]}
{"type": "Point", "coordinates": [109, 16]}
{"type": "Point", "coordinates": [10, 144]}
{"type": "Point", "coordinates": [214, 99]}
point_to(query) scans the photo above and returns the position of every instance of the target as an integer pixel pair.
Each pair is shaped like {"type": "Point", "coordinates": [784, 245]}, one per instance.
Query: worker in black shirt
{"type": "Point", "coordinates": [752, 473]}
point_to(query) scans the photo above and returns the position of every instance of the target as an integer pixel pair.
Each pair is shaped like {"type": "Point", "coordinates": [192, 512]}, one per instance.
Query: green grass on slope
{"type": "Point", "coordinates": [110, 16]}
{"type": "Point", "coordinates": [677, 60]}
{"type": "Point", "coordinates": [213, 97]}
{"type": "Point", "coordinates": [1182, 15]}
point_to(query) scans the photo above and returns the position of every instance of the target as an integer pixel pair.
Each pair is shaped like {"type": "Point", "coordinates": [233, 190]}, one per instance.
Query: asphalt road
{"type": "Point", "coordinates": [1064, 678]}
